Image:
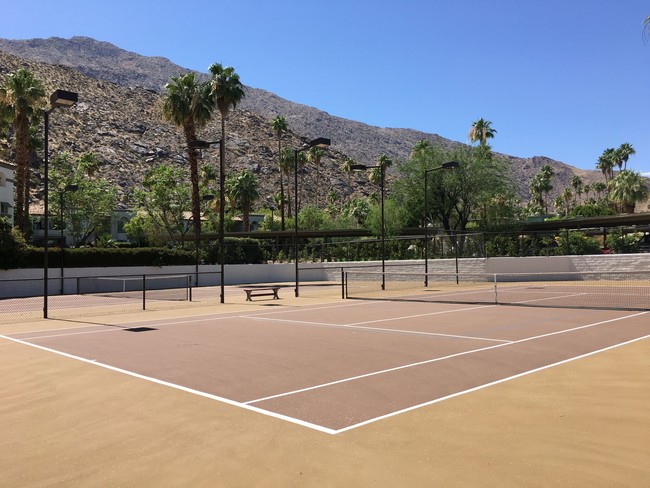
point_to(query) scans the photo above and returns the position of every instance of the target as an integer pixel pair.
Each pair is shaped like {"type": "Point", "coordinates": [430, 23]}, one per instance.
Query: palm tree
{"type": "Point", "coordinates": [22, 97]}
{"type": "Point", "coordinates": [625, 150]}
{"type": "Point", "coordinates": [600, 188]}
{"type": "Point", "coordinates": [419, 147]}
{"type": "Point", "coordinates": [189, 105]}
{"type": "Point", "coordinates": [302, 162]}
{"type": "Point", "coordinates": [606, 163]}
{"type": "Point", "coordinates": [286, 168]}
{"type": "Point", "coordinates": [567, 196]}
{"type": "Point", "coordinates": [315, 155]}
{"type": "Point", "coordinates": [227, 91]}
{"type": "Point", "coordinates": [279, 126]}
{"type": "Point", "coordinates": [383, 163]}
{"type": "Point", "coordinates": [374, 176]}
{"type": "Point", "coordinates": [627, 189]}
{"type": "Point", "coordinates": [346, 167]}
{"type": "Point", "coordinates": [245, 190]}
{"type": "Point", "coordinates": [481, 131]}
{"type": "Point", "coordinates": [546, 173]}
{"type": "Point", "coordinates": [576, 183]}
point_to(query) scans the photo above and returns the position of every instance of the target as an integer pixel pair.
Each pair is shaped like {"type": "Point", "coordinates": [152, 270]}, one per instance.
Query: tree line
{"type": "Point", "coordinates": [477, 194]}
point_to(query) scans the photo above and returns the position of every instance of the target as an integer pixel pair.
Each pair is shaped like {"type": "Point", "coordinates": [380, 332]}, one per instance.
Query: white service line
{"type": "Point", "coordinates": [429, 361]}
{"type": "Point", "coordinates": [379, 329]}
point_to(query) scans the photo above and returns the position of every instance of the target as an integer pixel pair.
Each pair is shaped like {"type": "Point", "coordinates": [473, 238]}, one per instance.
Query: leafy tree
{"type": "Point", "coordinates": [89, 209]}
{"type": "Point", "coordinates": [244, 190]}
{"type": "Point", "coordinates": [481, 130]}
{"type": "Point", "coordinates": [312, 218]}
{"type": "Point", "coordinates": [357, 209]}
{"type": "Point", "coordinates": [164, 200]}
{"type": "Point", "coordinates": [626, 189]}
{"type": "Point", "coordinates": [455, 196]}
{"type": "Point", "coordinates": [189, 104]}
{"type": "Point", "coordinates": [22, 97]}
{"type": "Point", "coordinates": [394, 217]}
{"type": "Point", "coordinates": [12, 245]}
{"type": "Point", "coordinates": [279, 126]}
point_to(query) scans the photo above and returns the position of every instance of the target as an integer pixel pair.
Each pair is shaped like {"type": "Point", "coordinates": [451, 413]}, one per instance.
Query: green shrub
{"type": "Point", "coordinates": [238, 251]}
{"type": "Point", "coordinates": [12, 246]}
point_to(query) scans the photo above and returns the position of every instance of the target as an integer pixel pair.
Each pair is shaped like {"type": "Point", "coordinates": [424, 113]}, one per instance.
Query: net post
{"type": "Point", "coordinates": [144, 293]}
{"type": "Point", "coordinates": [77, 285]}
{"type": "Point", "coordinates": [496, 297]}
{"type": "Point", "coordinates": [189, 286]}
{"type": "Point", "coordinates": [342, 283]}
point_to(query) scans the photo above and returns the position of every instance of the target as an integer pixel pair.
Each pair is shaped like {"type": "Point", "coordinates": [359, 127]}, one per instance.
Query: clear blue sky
{"type": "Point", "coordinates": [559, 78]}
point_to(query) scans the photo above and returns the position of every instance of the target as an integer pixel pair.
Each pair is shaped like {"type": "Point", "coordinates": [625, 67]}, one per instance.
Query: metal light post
{"type": "Point", "coordinates": [319, 142]}
{"type": "Point", "coordinates": [62, 193]}
{"type": "Point", "coordinates": [63, 99]}
{"type": "Point", "coordinates": [197, 244]}
{"type": "Point", "coordinates": [222, 203]}
{"type": "Point", "coordinates": [382, 168]}
{"type": "Point", "coordinates": [448, 165]}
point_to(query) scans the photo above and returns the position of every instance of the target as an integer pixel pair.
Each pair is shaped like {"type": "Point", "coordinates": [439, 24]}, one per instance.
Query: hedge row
{"type": "Point", "coordinates": [238, 251]}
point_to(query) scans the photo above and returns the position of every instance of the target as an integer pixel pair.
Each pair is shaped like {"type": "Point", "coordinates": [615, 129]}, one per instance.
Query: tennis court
{"type": "Point", "coordinates": [338, 366]}
{"type": "Point", "coordinates": [324, 391]}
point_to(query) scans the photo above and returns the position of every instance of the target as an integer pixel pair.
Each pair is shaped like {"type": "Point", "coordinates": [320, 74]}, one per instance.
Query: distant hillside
{"type": "Point", "coordinates": [365, 143]}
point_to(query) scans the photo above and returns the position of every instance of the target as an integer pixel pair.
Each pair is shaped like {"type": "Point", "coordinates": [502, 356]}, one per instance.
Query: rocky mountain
{"type": "Point", "coordinates": [119, 119]}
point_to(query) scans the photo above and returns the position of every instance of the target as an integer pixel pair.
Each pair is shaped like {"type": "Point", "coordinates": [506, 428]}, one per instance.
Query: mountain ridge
{"type": "Point", "coordinates": [102, 60]}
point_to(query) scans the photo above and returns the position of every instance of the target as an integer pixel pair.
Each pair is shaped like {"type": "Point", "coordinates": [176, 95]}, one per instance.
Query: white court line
{"type": "Point", "coordinates": [480, 387]}
{"type": "Point", "coordinates": [189, 320]}
{"type": "Point", "coordinates": [428, 361]}
{"type": "Point", "coordinates": [177, 387]}
{"type": "Point", "coordinates": [383, 329]}
{"type": "Point", "coordinates": [559, 297]}
{"type": "Point", "coordinates": [316, 427]}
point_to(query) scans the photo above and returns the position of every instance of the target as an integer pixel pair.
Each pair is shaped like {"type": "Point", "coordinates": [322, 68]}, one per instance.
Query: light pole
{"type": "Point", "coordinates": [319, 142]}
{"type": "Point", "coordinates": [272, 208]}
{"type": "Point", "coordinates": [448, 165]}
{"type": "Point", "coordinates": [382, 168]}
{"type": "Point", "coordinates": [197, 244]}
{"type": "Point", "coordinates": [222, 203]}
{"type": "Point", "coordinates": [63, 99]}
{"type": "Point", "coordinates": [62, 193]}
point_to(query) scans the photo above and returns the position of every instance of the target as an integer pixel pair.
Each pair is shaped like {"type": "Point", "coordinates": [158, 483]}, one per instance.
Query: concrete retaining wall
{"type": "Point", "coordinates": [31, 279]}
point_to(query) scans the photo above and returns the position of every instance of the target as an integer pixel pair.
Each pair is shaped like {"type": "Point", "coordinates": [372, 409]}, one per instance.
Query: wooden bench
{"type": "Point", "coordinates": [262, 292]}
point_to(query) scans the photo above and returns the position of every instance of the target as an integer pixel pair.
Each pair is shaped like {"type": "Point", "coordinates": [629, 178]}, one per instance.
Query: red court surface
{"type": "Point", "coordinates": [335, 367]}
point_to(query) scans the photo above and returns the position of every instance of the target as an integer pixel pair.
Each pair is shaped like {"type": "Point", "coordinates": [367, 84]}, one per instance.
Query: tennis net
{"type": "Point", "coordinates": [594, 290]}
{"type": "Point", "coordinates": [159, 287]}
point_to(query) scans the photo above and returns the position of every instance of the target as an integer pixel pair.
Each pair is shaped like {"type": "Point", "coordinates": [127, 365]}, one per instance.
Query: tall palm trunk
{"type": "Point", "coordinates": [281, 180]}
{"type": "Point", "coordinates": [21, 127]}
{"type": "Point", "coordinates": [190, 136]}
